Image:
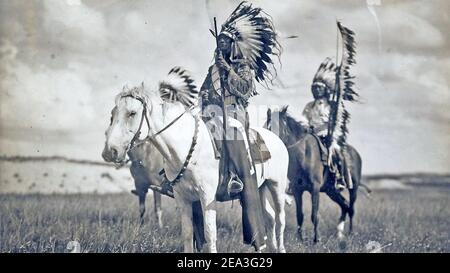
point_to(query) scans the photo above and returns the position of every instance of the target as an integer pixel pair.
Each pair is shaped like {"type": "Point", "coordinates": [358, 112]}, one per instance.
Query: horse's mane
{"type": "Point", "coordinates": [148, 96]}
{"type": "Point", "coordinates": [138, 92]}
{"type": "Point", "coordinates": [293, 125]}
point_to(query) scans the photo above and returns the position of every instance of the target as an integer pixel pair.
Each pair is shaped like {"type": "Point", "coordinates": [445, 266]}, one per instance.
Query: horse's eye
{"type": "Point", "coordinates": [132, 114]}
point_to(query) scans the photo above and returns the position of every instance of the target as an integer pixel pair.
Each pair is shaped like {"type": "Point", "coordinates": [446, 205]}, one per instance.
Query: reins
{"type": "Point", "coordinates": [191, 149]}
{"type": "Point", "coordinates": [168, 125]}
{"type": "Point", "coordinates": [293, 144]}
{"type": "Point", "coordinates": [144, 116]}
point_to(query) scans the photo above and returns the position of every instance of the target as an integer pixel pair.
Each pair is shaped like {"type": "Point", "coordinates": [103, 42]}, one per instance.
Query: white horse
{"type": "Point", "coordinates": [146, 163]}
{"type": "Point", "coordinates": [172, 130]}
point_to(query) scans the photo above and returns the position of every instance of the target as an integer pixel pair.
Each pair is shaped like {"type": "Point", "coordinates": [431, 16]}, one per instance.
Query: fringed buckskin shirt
{"type": "Point", "coordinates": [316, 116]}
{"type": "Point", "coordinates": [239, 85]}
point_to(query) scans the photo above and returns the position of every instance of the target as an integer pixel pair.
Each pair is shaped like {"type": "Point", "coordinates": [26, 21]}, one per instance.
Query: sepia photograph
{"type": "Point", "coordinates": [224, 126]}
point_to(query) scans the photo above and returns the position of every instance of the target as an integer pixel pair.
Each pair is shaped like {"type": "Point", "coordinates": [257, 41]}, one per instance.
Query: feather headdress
{"type": "Point", "coordinates": [326, 74]}
{"type": "Point", "coordinates": [179, 86]}
{"type": "Point", "coordinates": [254, 40]}
{"type": "Point", "coordinates": [340, 117]}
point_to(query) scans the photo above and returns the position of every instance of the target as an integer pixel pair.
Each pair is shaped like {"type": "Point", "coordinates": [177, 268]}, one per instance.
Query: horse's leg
{"type": "Point", "coordinates": [315, 196]}
{"type": "Point", "coordinates": [209, 212]}
{"type": "Point", "coordinates": [158, 210]}
{"type": "Point", "coordinates": [356, 167]}
{"type": "Point", "coordinates": [343, 203]}
{"type": "Point", "coordinates": [298, 195]}
{"type": "Point", "coordinates": [351, 208]}
{"type": "Point", "coordinates": [278, 197]}
{"type": "Point", "coordinates": [141, 196]}
{"type": "Point", "coordinates": [186, 225]}
{"type": "Point", "coordinates": [269, 220]}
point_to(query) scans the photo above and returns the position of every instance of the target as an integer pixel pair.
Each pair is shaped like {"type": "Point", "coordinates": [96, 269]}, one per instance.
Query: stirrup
{"type": "Point", "coordinates": [235, 185]}
{"type": "Point", "coordinates": [340, 184]}
{"type": "Point", "coordinates": [340, 187]}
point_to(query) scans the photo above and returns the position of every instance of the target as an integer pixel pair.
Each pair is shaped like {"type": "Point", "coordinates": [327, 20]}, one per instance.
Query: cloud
{"type": "Point", "coordinates": [409, 32]}
{"type": "Point", "coordinates": [47, 99]}
{"type": "Point", "coordinates": [62, 63]}
{"type": "Point", "coordinates": [73, 25]}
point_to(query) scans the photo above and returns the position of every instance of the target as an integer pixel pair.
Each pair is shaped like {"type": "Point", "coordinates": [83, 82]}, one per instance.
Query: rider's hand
{"type": "Point", "coordinates": [221, 63]}
{"type": "Point", "coordinates": [204, 95]}
{"type": "Point", "coordinates": [335, 146]}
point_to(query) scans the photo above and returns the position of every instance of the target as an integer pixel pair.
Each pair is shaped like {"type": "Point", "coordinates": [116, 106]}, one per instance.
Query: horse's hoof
{"type": "Point", "coordinates": [260, 249]}
{"type": "Point", "coordinates": [289, 200]}
{"type": "Point", "coordinates": [282, 250]}
{"type": "Point", "coordinates": [342, 245]}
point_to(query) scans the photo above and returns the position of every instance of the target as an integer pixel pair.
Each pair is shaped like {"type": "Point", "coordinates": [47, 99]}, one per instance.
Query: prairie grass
{"type": "Point", "coordinates": [415, 220]}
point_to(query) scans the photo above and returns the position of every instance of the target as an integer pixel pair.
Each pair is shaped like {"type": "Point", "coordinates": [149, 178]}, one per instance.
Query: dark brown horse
{"type": "Point", "coordinates": [308, 173]}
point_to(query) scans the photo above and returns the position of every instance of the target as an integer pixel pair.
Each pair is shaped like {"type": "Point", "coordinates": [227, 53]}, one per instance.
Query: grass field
{"type": "Point", "coordinates": [413, 220]}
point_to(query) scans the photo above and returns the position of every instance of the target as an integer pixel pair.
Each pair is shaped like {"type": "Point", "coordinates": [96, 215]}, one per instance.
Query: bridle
{"type": "Point", "coordinates": [145, 116]}
{"type": "Point", "coordinates": [152, 137]}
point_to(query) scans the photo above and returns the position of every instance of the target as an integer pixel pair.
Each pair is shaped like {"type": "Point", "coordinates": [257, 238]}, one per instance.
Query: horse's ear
{"type": "Point", "coordinates": [142, 85]}
{"type": "Point", "coordinates": [284, 110]}
{"type": "Point", "coordinates": [269, 114]}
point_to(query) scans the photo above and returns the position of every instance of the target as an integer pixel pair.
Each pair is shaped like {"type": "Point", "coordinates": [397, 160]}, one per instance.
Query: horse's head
{"type": "Point", "coordinates": [283, 125]}
{"type": "Point", "coordinates": [136, 108]}
{"type": "Point", "coordinates": [274, 124]}
{"type": "Point", "coordinates": [127, 120]}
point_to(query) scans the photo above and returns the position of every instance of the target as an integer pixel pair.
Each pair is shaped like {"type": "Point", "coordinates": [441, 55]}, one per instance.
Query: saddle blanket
{"type": "Point", "coordinates": [258, 149]}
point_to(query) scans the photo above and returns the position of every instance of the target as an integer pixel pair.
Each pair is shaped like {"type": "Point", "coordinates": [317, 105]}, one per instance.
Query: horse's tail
{"type": "Point", "coordinates": [368, 190]}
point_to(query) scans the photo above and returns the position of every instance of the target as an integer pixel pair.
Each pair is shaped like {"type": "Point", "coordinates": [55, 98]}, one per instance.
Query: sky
{"type": "Point", "coordinates": [63, 61]}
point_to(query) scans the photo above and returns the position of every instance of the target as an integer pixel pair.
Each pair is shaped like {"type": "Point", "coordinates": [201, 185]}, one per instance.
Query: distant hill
{"type": "Point", "coordinates": [58, 174]}
{"type": "Point", "coordinates": [404, 181]}
{"type": "Point", "coordinates": [61, 175]}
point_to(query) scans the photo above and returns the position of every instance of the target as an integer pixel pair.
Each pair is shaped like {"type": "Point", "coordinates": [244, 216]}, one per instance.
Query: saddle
{"type": "Point", "coordinates": [323, 149]}
{"type": "Point", "coordinates": [345, 157]}
{"type": "Point", "coordinates": [258, 148]}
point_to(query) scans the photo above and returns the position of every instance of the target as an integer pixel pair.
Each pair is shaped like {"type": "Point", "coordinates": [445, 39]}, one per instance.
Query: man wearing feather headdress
{"type": "Point", "coordinates": [244, 48]}
{"type": "Point", "coordinates": [327, 116]}
{"type": "Point", "coordinates": [316, 114]}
